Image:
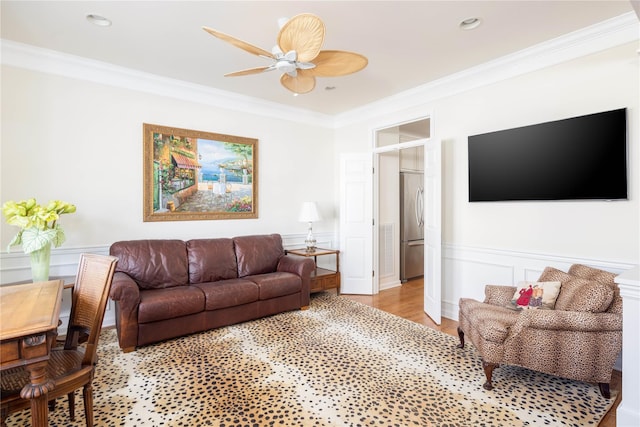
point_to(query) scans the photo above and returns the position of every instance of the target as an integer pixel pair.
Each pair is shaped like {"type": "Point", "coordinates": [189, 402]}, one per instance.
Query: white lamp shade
{"type": "Point", "coordinates": [309, 212]}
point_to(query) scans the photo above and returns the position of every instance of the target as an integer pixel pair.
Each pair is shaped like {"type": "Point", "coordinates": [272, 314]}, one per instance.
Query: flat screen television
{"type": "Point", "coordinates": [572, 159]}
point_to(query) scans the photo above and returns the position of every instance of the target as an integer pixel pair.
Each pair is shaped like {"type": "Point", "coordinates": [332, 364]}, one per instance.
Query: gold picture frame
{"type": "Point", "coordinates": [194, 175]}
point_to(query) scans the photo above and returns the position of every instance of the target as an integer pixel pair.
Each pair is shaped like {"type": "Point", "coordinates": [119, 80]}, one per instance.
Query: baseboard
{"type": "Point", "coordinates": [389, 284]}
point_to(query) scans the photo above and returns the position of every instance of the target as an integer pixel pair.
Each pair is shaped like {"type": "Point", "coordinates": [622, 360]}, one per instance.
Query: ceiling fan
{"type": "Point", "coordinates": [298, 56]}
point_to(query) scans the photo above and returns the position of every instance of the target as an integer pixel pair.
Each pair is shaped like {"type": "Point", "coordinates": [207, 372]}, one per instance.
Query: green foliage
{"type": "Point", "coordinates": [38, 225]}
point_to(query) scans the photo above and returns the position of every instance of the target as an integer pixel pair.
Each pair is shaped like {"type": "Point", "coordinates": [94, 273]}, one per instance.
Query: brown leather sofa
{"type": "Point", "coordinates": [168, 288]}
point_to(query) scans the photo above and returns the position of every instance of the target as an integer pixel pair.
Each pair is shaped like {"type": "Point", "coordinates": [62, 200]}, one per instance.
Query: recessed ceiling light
{"type": "Point", "coordinates": [470, 23]}
{"type": "Point", "coordinates": [98, 20]}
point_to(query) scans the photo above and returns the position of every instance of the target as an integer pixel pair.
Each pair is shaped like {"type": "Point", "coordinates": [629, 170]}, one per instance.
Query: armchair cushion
{"type": "Point", "coordinates": [550, 274]}
{"type": "Point", "coordinates": [584, 295]}
{"type": "Point", "coordinates": [606, 277]}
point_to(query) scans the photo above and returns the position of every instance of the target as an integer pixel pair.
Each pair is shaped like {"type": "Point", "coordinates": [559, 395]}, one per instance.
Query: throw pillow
{"type": "Point", "coordinates": [536, 295]}
{"type": "Point", "coordinates": [584, 295]}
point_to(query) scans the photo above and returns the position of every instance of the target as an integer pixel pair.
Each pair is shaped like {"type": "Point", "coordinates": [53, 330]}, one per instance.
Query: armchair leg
{"type": "Point", "coordinates": [461, 336]}
{"type": "Point", "coordinates": [604, 390]}
{"type": "Point", "coordinates": [488, 372]}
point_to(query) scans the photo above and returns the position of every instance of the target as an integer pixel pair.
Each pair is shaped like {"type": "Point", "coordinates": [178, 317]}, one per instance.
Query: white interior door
{"type": "Point", "coordinates": [433, 230]}
{"type": "Point", "coordinates": [356, 224]}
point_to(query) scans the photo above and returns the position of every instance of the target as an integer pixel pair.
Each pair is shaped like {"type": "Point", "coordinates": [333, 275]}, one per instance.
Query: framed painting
{"type": "Point", "coordinates": [194, 175]}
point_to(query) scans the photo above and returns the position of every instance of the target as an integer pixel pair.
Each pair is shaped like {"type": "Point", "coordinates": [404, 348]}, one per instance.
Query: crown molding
{"type": "Point", "coordinates": [53, 62]}
{"type": "Point", "coordinates": [607, 34]}
{"type": "Point", "coordinates": [604, 35]}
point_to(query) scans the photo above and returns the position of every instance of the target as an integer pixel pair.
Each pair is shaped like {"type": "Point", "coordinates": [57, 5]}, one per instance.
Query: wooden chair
{"type": "Point", "coordinates": [71, 366]}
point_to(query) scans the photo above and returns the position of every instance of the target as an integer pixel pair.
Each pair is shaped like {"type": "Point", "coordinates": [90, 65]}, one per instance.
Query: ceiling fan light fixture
{"type": "Point", "coordinates": [470, 23]}
{"type": "Point", "coordinates": [98, 20]}
{"type": "Point", "coordinates": [301, 37]}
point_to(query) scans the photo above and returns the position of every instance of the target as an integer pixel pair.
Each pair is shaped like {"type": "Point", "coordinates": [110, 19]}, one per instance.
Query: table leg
{"type": "Point", "coordinates": [36, 392]}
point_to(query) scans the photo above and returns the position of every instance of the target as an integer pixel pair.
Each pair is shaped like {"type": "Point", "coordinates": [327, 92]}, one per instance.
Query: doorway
{"type": "Point", "coordinates": [399, 152]}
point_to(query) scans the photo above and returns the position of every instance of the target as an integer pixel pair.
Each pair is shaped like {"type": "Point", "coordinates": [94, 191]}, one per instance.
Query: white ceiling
{"type": "Point", "coordinates": [408, 43]}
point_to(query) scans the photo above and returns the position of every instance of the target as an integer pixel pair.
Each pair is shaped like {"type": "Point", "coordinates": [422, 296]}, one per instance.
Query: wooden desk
{"type": "Point", "coordinates": [29, 316]}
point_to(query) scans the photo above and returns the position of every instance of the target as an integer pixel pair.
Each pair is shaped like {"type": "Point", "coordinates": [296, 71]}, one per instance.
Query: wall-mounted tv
{"type": "Point", "coordinates": [572, 159]}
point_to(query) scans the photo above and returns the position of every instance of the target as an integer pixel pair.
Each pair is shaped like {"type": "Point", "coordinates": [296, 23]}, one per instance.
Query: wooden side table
{"type": "Point", "coordinates": [321, 278]}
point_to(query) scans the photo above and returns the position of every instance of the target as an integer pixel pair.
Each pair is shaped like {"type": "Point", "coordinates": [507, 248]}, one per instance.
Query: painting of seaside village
{"type": "Point", "coordinates": [191, 175]}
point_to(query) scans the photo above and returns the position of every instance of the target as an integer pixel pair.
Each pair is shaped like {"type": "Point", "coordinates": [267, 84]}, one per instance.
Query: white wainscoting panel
{"type": "Point", "coordinates": [467, 270]}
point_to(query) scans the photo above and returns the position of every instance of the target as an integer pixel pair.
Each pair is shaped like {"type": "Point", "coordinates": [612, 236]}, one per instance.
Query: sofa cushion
{"type": "Point", "coordinates": [275, 285]}
{"type": "Point", "coordinates": [169, 303]}
{"type": "Point", "coordinates": [228, 293]}
{"type": "Point", "coordinates": [584, 295]}
{"type": "Point", "coordinates": [211, 260]}
{"type": "Point", "coordinates": [258, 254]}
{"type": "Point", "coordinates": [153, 264]}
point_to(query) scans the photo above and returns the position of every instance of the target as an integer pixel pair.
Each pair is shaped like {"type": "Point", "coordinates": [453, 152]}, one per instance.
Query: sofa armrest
{"type": "Point", "coordinates": [124, 289]}
{"type": "Point", "coordinates": [300, 266]}
{"type": "Point", "coordinates": [126, 293]}
{"type": "Point", "coordinates": [569, 321]}
{"type": "Point", "coordinates": [498, 294]}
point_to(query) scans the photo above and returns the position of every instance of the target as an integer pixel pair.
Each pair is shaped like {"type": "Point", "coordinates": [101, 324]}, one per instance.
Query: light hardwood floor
{"type": "Point", "coordinates": [407, 301]}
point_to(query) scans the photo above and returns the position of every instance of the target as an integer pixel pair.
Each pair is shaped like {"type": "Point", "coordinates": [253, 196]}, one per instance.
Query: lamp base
{"type": "Point", "coordinates": [310, 241]}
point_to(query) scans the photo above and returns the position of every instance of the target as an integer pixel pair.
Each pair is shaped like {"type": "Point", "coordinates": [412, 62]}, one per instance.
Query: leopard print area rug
{"type": "Point", "coordinates": [340, 363]}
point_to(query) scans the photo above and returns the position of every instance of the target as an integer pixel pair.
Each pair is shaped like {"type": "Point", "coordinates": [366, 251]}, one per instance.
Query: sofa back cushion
{"type": "Point", "coordinates": [258, 254]}
{"type": "Point", "coordinates": [153, 264]}
{"type": "Point", "coordinates": [211, 260]}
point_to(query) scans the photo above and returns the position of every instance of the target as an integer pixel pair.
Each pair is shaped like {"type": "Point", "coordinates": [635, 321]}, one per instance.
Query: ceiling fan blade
{"type": "Point", "coordinates": [302, 83]}
{"type": "Point", "coordinates": [249, 71]}
{"type": "Point", "coordinates": [303, 33]}
{"type": "Point", "coordinates": [239, 43]}
{"type": "Point", "coordinates": [332, 63]}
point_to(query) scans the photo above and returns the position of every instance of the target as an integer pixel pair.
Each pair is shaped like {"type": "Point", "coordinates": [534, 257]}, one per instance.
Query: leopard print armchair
{"type": "Point", "coordinates": [579, 339]}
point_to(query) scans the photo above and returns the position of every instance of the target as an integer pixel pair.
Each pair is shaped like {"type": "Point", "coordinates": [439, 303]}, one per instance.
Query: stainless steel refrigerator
{"type": "Point", "coordinates": [411, 225]}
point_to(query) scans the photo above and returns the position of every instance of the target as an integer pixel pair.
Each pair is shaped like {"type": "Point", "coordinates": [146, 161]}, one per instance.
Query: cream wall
{"type": "Point", "coordinates": [81, 141]}
{"type": "Point", "coordinates": [71, 139]}
{"type": "Point", "coordinates": [597, 230]}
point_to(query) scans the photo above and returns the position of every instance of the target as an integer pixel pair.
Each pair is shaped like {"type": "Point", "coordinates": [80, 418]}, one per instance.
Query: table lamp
{"type": "Point", "coordinates": [309, 213]}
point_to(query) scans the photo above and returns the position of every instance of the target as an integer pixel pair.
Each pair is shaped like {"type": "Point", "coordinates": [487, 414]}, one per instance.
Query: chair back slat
{"type": "Point", "coordinates": [90, 296]}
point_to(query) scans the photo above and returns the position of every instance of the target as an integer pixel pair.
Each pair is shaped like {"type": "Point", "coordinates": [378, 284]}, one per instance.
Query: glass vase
{"type": "Point", "coordinates": [40, 261]}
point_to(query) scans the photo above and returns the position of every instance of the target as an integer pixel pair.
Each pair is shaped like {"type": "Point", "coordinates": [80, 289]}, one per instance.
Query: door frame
{"type": "Point", "coordinates": [376, 152]}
